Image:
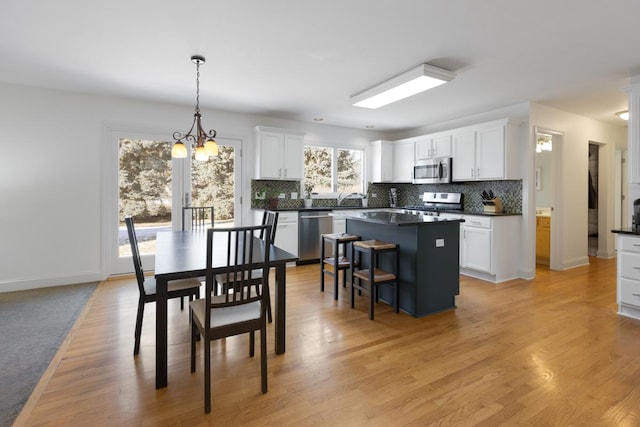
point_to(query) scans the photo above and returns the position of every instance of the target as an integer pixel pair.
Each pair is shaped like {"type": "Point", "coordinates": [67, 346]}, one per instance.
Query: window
{"type": "Point", "coordinates": [329, 170]}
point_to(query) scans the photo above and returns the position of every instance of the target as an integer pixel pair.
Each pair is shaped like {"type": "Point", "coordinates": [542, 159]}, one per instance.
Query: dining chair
{"type": "Point", "coordinates": [242, 309]}
{"type": "Point", "coordinates": [268, 218]}
{"type": "Point", "coordinates": [201, 217]}
{"type": "Point", "coordinates": [147, 285]}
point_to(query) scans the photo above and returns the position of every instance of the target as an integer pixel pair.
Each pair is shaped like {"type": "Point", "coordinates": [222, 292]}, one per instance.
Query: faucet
{"type": "Point", "coordinates": [343, 196]}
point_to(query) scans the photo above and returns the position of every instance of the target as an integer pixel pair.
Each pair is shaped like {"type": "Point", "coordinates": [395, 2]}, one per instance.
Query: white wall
{"type": "Point", "coordinates": [573, 219]}
{"type": "Point", "coordinates": [50, 174]}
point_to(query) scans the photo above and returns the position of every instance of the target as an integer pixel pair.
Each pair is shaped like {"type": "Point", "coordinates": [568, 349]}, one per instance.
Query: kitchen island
{"type": "Point", "coordinates": [429, 256]}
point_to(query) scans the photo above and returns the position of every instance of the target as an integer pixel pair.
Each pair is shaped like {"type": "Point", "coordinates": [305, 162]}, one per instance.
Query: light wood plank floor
{"type": "Point", "coordinates": [551, 351]}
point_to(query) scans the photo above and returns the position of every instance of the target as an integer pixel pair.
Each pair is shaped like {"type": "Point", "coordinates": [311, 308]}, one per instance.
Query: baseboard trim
{"type": "Point", "coordinates": [49, 281]}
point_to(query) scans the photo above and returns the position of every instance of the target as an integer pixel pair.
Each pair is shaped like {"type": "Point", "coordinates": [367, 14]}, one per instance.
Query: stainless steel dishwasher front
{"type": "Point", "coordinates": [311, 225]}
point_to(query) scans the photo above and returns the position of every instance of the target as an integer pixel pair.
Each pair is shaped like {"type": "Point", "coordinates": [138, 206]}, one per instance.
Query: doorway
{"type": "Point", "coordinates": [592, 225]}
{"type": "Point", "coordinates": [142, 180]}
{"type": "Point", "coordinates": [548, 191]}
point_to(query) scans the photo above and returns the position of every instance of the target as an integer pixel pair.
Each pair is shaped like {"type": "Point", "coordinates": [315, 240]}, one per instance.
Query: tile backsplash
{"type": "Point", "coordinates": [510, 192]}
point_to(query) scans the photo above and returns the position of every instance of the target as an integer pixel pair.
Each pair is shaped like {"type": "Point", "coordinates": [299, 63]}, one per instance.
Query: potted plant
{"type": "Point", "coordinates": [308, 189]}
{"type": "Point", "coordinates": [365, 201]}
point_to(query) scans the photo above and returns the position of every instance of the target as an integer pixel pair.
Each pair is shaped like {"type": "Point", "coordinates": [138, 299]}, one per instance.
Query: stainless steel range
{"type": "Point", "coordinates": [433, 203]}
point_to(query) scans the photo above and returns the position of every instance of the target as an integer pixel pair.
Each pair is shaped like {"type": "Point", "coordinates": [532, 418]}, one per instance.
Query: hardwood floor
{"type": "Point", "coordinates": [551, 351]}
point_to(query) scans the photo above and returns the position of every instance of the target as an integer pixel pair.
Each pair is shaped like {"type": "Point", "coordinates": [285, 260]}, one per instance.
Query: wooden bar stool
{"type": "Point", "coordinates": [337, 262]}
{"type": "Point", "coordinates": [373, 275]}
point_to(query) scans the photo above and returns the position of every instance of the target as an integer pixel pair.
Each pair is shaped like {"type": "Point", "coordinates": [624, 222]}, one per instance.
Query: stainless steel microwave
{"type": "Point", "coordinates": [432, 171]}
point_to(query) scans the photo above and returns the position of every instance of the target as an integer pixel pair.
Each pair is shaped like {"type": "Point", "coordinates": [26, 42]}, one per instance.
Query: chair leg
{"type": "Point", "coordinates": [181, 303]}
{"type": "Point", "coordinates": [263, 356]}
{"type": "Point", "coordinates": [207, 375]}
{"type": "Point", "coordinates": [322, 264]}
{"type": "Point", "coordinates": [138, 331]}
{"type": "Point", "coordinates": [252, 343]}
{"type": "Point", "coordinates": [336, 272]}
{"type": "Point", "coordinates": [269, 313]}
{"type": "Point", "coordinates": [194, 335]}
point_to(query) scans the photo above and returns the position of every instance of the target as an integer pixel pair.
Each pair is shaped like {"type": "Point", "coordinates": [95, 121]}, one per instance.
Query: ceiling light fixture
{"type": "Point", "coordinates": [543, 142]}
{"type": "Point", "coordinates": [202, 142]}
{"type": "Point", "coordinates": [402, 86]}
{"type": "Point", "coordinates": [624, 115]}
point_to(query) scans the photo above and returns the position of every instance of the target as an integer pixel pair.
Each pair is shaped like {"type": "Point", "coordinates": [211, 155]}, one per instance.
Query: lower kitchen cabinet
{"type": "Point", "coordinates": [628, 280]}
{"type": "Point", "coordinates": [489, 246]}
{"type": "Point", "coordinates": [286, 231]}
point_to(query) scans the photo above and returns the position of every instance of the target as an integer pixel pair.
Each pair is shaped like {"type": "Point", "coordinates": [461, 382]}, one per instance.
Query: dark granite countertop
{"type": "Point", "coordinates": [627, 230]}
{"type": "Point", "coordinates": [387, 217]}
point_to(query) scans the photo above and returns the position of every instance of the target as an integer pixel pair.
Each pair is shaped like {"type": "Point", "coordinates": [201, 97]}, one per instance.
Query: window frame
{"type": "Point", "coordinates": [334, 167]}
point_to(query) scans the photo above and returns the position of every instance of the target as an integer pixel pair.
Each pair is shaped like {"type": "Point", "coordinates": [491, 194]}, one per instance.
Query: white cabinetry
{"type": "Point", "coordinates": [279, 153]}
{"type": "Point", "coordinates": [287, 232]}
{"type": "Point", "coordinates": [476, 244]}
{"type": "Point", "coordinates": [381, 161]}
{"type": "Point", "coordinates": [403, 158]}
{"type": "Point", "coordinates": [430, 146]}
{"type": "Point", "coordinates": [391, 161]}
{"type": "Point", "coordinates": [628, 275]}
{"type": "Point", "coordinates": [486, 152]}
{"type": "Point", "coordinates": [489, 246]}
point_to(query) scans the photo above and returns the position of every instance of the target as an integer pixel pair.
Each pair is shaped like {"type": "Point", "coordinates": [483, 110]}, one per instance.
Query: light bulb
{"type": "Point", "coordinates": [201, 155]}
{"type": "Point", "coordinates": [179, 151]}
{"type": "Point", "coordinates": [211, 147]}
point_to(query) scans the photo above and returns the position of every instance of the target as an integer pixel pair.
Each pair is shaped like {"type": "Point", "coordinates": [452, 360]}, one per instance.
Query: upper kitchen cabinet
{"type": "Point", "coordinates": [488, 151]}
{"type": "Point", "coordinates": [391, 161]}
{"type": "Point", "coordinates": [431, 146]}
{"type": "Point", "coordinates": [279, 153]}
{"type": "Point", "coordinates": [381, 161]}
{"type": "Point", "coordinates": [403, 158]}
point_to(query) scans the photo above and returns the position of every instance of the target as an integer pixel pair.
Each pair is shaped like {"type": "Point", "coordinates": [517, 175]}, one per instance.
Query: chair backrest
{"type": "Point", "coordinates": [135, 252]}
{"type": "Point", "coordinates": [270, 218]}
{"type": "Point", "coordinates": [243, 253]}
{"type": "Point", "coordinates": [201, 217]}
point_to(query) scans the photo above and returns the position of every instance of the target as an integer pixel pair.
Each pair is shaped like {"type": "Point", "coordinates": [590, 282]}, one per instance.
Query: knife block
{"type": "Point", "coordinates": [493, 206]}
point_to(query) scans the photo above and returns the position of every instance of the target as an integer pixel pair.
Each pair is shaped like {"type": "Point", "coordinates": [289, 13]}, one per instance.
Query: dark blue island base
{"type": "Point", "coordinates": [429, 259]}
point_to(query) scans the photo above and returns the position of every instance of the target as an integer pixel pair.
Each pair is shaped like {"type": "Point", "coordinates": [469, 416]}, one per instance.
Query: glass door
{"type": "Point", "coordinates": [152, 188]}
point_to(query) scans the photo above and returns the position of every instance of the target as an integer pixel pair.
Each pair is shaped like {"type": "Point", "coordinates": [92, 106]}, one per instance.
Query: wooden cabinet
{"type": "Point", "coordinates": [488, 151]}
{"type": "Point", "coordinates": [279, 153]}
{"type": "Point", "coordinates": [543, 239]}
{"type": "Point", "coordinates": [628, 280]}
{"type": "Point", "coordinates": [430, 146]}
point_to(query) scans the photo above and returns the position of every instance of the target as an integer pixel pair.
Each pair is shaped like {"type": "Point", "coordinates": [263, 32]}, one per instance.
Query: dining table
{"type": "Point", "coordinates": [182, 254]}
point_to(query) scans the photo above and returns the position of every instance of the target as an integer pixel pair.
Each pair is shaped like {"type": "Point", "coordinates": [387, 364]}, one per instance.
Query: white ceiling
{"type": "Point", "coordinates": [303, 60]}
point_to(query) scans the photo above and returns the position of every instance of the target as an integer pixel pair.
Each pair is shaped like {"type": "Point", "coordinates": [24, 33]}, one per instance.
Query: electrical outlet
{"type": "Point", "coordinates": [260, 195]}
{"type": "Point", "coordinates": [294, 196]}
{"type": "Point", "coordinates": [281, 196]}
{"type": "Point", "coordinates": [374, 195]}
{"type": "Point", "coordinates": [439, 243]}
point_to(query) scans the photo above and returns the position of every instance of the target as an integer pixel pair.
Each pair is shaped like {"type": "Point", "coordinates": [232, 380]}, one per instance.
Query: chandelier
{"type": "Point", "coordinates": [201, 141]}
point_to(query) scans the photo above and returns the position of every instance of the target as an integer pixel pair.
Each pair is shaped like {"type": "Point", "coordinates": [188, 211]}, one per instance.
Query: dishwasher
{"type": "Point", "coordinates": [311, 225]}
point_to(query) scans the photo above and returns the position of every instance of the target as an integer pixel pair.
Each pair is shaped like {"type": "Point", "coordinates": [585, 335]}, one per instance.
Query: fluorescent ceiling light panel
{"type": "Point", "coordinates": [414, 81]}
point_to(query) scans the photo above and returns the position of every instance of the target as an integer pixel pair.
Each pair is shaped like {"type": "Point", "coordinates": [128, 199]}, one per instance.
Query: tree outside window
{"type": "Point", "coordinates": [329, 171]}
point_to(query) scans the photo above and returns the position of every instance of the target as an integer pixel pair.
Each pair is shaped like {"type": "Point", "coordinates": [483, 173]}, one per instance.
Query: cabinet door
{"type": "Point", "coordinates": [271, 145]}
{"type": "Point", "coordinates": [490, 153]}
{"type": "Point", "coordinates": [423, 149]}
{"type": "Point", "coordinates": [476, 249]}
{"type": "Point", "coordinates": [464, 156]}
{"type": "Point", "coordinates": [403, 158]}
{"type": "Point", "coordinates": [292, 155]}
{"type": "Point", "coordinates": [287, 237]}
{"type": "Point", "coordinates": [441, 146]}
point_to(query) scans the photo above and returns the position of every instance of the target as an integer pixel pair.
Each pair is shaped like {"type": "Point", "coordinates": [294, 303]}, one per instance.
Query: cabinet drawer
{"type": "Point", "coordinates": [630, 244]}
{"type": "Point", "coordinates": [288, 217]}
{"type": "Point", "coordinates": [630, 292]}
{"type": "Point", "coordinates": [543, 221]}
{"type": "Point", "coordinates": [477, 221]}
{"type": "Point", "coordinates": [630, 265]}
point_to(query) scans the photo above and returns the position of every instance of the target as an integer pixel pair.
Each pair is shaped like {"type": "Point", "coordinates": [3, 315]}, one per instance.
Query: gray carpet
{"type": "Point", "coordinates": [33, 325]}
